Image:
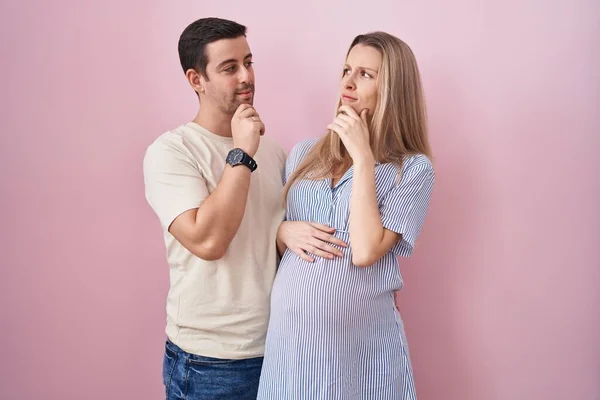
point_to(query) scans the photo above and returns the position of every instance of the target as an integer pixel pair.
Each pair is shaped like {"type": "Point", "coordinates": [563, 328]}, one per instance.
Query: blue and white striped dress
{"type": "Point", "coordinates": [334, 330]}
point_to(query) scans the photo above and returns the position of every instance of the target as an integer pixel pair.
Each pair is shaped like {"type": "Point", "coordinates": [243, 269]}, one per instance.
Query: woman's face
{"type": "Point", "coordinates": [359, 81]}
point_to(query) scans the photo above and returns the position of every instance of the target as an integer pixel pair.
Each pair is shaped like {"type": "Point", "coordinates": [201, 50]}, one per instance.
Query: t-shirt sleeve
{"type": "Point", "coordinates": [404, 207]}
{"type": "Point", "coordinates": [173, 182]}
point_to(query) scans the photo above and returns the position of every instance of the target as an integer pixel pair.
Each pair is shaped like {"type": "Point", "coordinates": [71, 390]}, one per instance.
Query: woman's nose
{"type": "Point", "coordinates": [349, 84]}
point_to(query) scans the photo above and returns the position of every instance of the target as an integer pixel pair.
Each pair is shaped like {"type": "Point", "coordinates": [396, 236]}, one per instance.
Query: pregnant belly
{"type": "Point", "coordinates": [332, 291]}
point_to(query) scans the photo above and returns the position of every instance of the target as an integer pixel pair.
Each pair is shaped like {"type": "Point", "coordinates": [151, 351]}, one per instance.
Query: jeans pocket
{"type": "Point", "coordinates": [208, 361]}
{"type": "Point", "coordinates": [211, 378]}
{"type": "Point", "coordinates": [169, 362]}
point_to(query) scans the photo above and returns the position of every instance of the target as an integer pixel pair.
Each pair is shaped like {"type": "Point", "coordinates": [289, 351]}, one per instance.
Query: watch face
{"type": "Point", "coordinates": [235, 157]}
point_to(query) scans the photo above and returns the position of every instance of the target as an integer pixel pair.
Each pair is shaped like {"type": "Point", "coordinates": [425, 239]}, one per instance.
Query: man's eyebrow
{"type": "Point", "coordinates": [232, 60]}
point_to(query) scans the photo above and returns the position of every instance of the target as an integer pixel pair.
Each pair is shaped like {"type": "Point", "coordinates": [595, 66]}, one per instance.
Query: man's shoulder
{"type": "Point", "coordinates": [168, 150]}
{"type": "Point", "coordinates": [181, 142]}
{"type": "Point", "coordinates": [160, 145]}
{"type": "Point", "coordinates": [169, 139]}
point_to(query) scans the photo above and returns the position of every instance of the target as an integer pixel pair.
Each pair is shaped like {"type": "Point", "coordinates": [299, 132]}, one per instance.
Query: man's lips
{"type": "Point", "coordinates": [246, 91]}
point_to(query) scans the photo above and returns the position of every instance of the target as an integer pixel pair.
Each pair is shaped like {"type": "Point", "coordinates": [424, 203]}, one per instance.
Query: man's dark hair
{"type": "Point", "coordinates": [198, 34]}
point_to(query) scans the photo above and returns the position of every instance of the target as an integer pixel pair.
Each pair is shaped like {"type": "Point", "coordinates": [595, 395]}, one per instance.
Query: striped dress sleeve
{"type": "Point", "coordinates": [297, 154]}
{"type": "Point", "coordinates": [404, 207]}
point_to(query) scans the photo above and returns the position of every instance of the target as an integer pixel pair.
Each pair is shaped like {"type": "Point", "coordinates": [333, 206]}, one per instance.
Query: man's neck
{"type": "Point", "coordinates": [215, 121]}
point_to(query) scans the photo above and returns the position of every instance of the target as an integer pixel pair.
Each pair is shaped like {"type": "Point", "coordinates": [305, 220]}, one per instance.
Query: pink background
{"type": "Point", "coordinates": [501, 298]}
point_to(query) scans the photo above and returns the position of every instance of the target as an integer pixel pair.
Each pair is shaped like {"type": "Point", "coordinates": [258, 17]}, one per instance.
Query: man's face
{"type": "Point", "coordinates": [230, 75]}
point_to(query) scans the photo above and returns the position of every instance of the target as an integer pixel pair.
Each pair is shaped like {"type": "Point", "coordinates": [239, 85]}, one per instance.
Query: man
{"type": "Point", "coordinates": [216, 186]}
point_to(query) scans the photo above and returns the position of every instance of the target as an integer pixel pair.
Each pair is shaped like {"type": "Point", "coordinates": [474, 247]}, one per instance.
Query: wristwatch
{"type": "Point", "coordinates": [240, 157]}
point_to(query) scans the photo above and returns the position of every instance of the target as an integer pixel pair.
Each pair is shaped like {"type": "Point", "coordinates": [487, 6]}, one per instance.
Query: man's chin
{"type": "Point", "coordinates": [238, 103]}
{"type": "Point", "coordinates": [249, 100]}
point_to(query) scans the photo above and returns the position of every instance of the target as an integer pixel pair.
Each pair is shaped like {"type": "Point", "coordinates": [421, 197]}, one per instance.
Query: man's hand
{"type": "Point", "coordinates": [246, 129]}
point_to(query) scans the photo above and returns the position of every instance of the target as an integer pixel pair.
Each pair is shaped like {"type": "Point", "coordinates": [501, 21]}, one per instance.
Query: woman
{"type": "Point", "coordinates": [364, 187]}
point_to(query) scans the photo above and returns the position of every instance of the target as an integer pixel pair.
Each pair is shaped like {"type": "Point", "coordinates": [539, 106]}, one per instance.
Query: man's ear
{"type": "Point", "coordinates": [195, 80]}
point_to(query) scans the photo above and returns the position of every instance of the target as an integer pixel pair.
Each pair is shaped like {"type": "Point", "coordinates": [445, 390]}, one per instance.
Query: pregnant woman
{"type": "Point", "coordinates": [356, 199]}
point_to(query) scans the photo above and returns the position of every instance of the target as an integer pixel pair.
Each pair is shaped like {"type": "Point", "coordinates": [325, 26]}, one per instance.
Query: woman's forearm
{"type": "Point", "coordinates": [281, 247]}
{"type": "Point", "coordinates": [366, 229]}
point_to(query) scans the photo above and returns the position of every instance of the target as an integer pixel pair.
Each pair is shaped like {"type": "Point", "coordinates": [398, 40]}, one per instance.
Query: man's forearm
{"type": "Point", "coordinates": [219, 216]}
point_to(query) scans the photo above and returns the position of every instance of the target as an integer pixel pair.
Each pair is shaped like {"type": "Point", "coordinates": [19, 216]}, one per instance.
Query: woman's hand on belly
{"type": "Point", "coordinates": [303, 237]}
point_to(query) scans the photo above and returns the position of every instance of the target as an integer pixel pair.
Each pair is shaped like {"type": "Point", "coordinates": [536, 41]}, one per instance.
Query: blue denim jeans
{"type": "Point", "coordinates": [190, 377]}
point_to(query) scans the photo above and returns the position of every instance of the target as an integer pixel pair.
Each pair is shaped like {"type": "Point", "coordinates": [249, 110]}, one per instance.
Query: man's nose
{"type": "Point", "coordinates": [245, 75]}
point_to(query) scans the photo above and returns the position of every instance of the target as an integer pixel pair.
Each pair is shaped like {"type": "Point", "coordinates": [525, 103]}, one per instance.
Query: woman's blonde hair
{"type": "Point", "coordinates": [398, 127]}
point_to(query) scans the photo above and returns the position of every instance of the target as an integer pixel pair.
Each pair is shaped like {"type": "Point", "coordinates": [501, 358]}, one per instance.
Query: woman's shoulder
{"type": "Point", "coordinates": [411, 162]}
{"type": "Point", "coordinates": [301, 149]}
{"type": "Point", "coordinates": [414, 166]}
{"type": "Point", "coordinates": [417, 162]}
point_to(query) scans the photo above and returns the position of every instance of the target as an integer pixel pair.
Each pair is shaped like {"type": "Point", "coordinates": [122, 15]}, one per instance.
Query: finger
{"type": "Point", "coordinates": [324, 241]}
{"type": "Point", "coordinates": [337, 129]}
{"type": "Point", "coordinates": [324, 254]}
{"type": "Point", "coordinates": [339, 242]}
{"type": "Point", "coordinates": [364, 114]}
{"type": "Point", "coordinates": [247, 112]}
{"type": "Point", "coordinates": [346, 118]}
{"type": "Point", "coordinates": [349, 111]}
{"type": "Point", "coordinates": [329, 239]}
{"type": "Point", "coordinates": [341, 122]}
{"type": "Point", "coordinates": [243, 107]}
{"type": "Point", "coordinates": [322, 227]}
{"type": "Point", "coordinates": [300, 253]}
{"type": "Point", "coordinates": [324, 247]}
{"type": "Point", "coordinates": [319, 253]}
{"type": "Point", "coordinates": [261, 127]}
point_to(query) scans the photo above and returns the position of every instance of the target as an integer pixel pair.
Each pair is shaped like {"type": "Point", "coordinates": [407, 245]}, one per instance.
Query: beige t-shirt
{"type": "Point", "coordinates": [216, 308]}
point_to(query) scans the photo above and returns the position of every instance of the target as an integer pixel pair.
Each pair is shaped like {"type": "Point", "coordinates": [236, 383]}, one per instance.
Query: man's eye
{"type": "Point", "coordinates": [230, 69]}
{"type": "Point", "coordinates": [249, 64]}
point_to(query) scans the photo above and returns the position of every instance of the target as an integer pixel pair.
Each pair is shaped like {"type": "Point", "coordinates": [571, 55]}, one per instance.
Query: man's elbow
{"type": "Point", "coordinates": [202, 242]}
{"type": "Point", "coordinates": [208, 250]}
